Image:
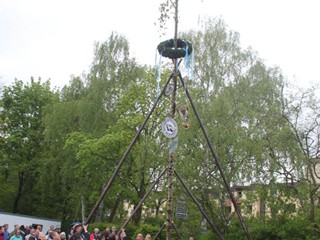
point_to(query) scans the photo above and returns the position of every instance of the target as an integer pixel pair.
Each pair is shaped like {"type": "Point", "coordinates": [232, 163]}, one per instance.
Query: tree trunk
{"type": "Point", "coordinates": [136, 218]}
{"type": "Point", "coordinates": [17, 198]}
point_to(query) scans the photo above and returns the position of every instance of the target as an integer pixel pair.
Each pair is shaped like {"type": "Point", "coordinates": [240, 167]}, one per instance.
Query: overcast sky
{"type": "Point", "coordinates": [54, 39]}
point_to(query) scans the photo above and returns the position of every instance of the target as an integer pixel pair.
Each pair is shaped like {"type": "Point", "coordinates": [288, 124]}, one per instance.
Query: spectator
{"type": "Point", "coordinates": [50, 229]}
{"type": "Point", "coordinates": [139, 236]}
{"type": "Point", "coordinates": [148, 237]}
{"type": "Point", "coordinates": [32, 233]}
{"type": "Point", "coordinates": [190, 238]}
{"type": "Point", "coordinates": [63, 236]}
{"type": "Point", "coordinates": [114, 230]}
{"type": "Point", "coordinates": [55, 236]}
{"type": "Point", "coordinates": [16, 235]}
{"type": "Point", "coordinates": [5, 232]}
{"type": "Point", "coordinates": [95, 234]}
{"type": "Point", "coordinates": [1, 233]}
{"type": "Point", "coordinates": [79, 229]}
{"type": "Point", "coordinates": [41, 235]}
{"type": "Point", "coordinates": [123, 235]}
{"type": "Point", "coordinates": [27, 230]}
{"type": "Point", "coordinates": [16, 227]}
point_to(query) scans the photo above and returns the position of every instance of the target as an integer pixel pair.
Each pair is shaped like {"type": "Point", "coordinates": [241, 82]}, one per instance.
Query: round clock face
{"type": "Point", "coordinates": [317, 170]}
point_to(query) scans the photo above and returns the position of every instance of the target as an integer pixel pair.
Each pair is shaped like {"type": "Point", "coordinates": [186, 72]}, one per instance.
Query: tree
{"type": "Point", "coordinates": [301, 111]}
{"type": "Point", "coordinates": [23, 135]}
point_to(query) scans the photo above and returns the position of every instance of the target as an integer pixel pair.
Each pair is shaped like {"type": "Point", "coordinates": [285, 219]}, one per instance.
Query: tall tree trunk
{"type": "Point", "coordinates": [17, 198]}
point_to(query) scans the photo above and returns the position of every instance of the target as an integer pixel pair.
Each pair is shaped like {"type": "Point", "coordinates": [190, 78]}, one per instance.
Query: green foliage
{"type": "Point", "coordinates": [22, 140]}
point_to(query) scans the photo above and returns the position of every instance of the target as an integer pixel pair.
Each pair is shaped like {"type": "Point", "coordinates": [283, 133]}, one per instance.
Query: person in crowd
{"type": "Point", "coordinates": [27, 230]}
{"type": "Point", "coordinates": [32, 238]}
{"type": "Point", "coordinates": [22, 231]}
{"type": "Point", "coordinates": [190, 238]}
{"type": "Point", "coordinates": [55, 236]}
{"type": "Point", "coordinates": [49, 236]}
{"type": "Point", "coordinates": [37, 232]}
{"type": "Point", "coordinates": [123, 235]}
{"type": "Point", "coordinates": [80, 229]}
{"type": "Point", "coordinates": [95, 234]}
{"type": "Point", "coordinates": [114, 230]}
{"type": "Point", "coordinates": [39, 227]}
{"type": "Point", "coordinates": [32, 233]}
{"type": "Point", "coordinates": [63, 236]}
{"type": "Point", "coordinates": [50, 229]}
{"type": "Point", "coordinates": [16, 235]}
{"type": "Point", "coordinates": [41, 235]}
{"type": "Point", "coordinates": [148, 237]}
{"type": "Point", "coordinates": [139, 236]}
{"type": "Point", "coordinates": [16, 227]}
{"type": "Point", "coordinates": [5, 231]}
{"type": "Point", "coordinates": [1, 232]}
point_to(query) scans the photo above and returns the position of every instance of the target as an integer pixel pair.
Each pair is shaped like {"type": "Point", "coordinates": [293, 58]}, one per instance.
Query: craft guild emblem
{"type": "Point", "coordinates": [169, 127]}
{"type": "Point", "coordinates": [169, 90]}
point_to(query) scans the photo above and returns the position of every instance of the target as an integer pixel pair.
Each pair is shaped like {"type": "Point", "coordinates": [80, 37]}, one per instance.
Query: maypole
{"type": "Point", "coordinates": [173, 49]}
{"type": "Point", "coordinates": [171, 154]}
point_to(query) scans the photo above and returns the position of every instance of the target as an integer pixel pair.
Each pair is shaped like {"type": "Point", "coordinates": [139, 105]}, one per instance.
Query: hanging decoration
{"type": "Point", "coordinates": [169, 90]}
{"type": "Point", "coordinates": [169, 127]}
{"type": "Point", "coordinates": [183, 113]}
{"type": "Point", "coordinates": [167, 49]}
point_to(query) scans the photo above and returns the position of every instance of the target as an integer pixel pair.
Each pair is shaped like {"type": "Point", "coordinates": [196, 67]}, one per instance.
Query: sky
{"type": "Point", "coordinates": [55, 39]}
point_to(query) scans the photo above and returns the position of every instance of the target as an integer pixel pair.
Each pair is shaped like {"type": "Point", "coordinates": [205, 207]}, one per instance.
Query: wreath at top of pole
{"type": "Point", "coordinates": [167, 49]}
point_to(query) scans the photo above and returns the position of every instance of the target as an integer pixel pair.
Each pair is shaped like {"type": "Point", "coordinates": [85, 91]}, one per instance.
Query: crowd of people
{"type": "Point", "coordinates": [77, 232]}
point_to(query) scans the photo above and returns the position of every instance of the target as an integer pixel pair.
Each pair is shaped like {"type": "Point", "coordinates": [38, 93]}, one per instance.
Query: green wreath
{"type": "Point", "coordinates": [166, 48]}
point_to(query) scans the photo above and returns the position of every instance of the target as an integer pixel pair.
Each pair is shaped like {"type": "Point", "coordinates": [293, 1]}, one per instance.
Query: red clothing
{"type": "Point", "coordinates": [1, 236]}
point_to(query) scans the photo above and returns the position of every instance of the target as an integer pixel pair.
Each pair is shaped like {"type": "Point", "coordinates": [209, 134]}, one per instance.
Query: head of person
{"type": "Point", "coordinates": [96, 231]}
{"type": "Point", "coordinates": [17, 232]}
{"type": "Point", "coordinates": [32, 232]}
{"type": "Point", "coordinates": [139, 236]}
{"type": "Point", "coordinates": [5, 227]}
{"type": "Point", "coordinates": [55, 236]}
{"type": "Point", "coordinates": [51, 227]}
{"type": "Point", "coordinates": [113, 229]}
{"type": "Point", "coordinates": [148, 237]}
{"type": "Point", "coordinates": [63, 236]}
{"type": "Point", "coordinates": [190, 238]}
{"type": "Point", "coordinates": [77, 228]}
{"type": "Point", "coordinates": [39, 227]}
{"type": "Point", "coordinates": [1, 230]}
{"type": "Point", "coordinates": [41, 235]}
